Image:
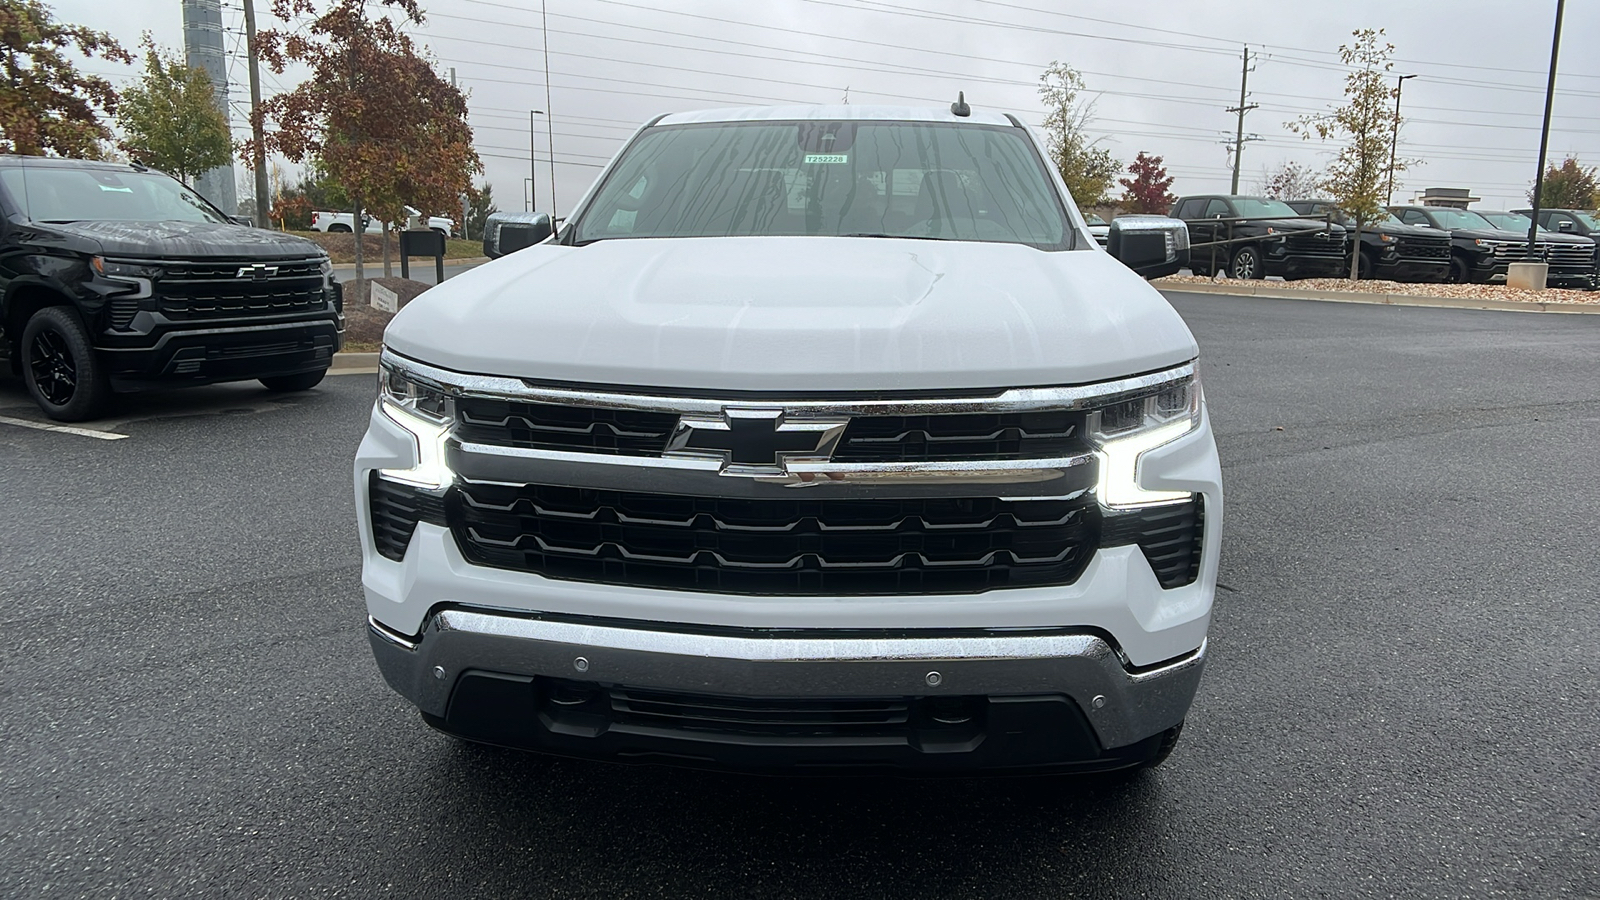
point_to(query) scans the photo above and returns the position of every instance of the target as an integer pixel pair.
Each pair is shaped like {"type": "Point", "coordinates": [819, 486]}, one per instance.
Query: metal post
{"type": "Point", "coordinates": [257, 129]}
{"type": "Point", "coordinates": [549, 119]}
{"type": "Point", "coordinates": [533, 165]}
{"type": "Point", "coordinates": [1394, 135]}
{"type": "Point", "coordinates": [1544, 135]}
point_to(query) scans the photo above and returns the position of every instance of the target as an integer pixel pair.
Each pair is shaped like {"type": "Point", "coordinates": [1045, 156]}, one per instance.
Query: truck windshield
{"type": "Point", "coordinates": [1590, 221]}
{"type": "Point", "coordinates": [1458, 218]}
{"type": "Point", "coordinates": [834, 178]}
{"type": "Point", "coordinates": [1256, 208]}
{"type": "Point", "coordinates": [60, 194]}
{"type": "Point", "coordinates": [1506, 221]}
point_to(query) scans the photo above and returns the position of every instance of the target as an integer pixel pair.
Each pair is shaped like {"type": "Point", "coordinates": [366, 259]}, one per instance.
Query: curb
{"type": "Point", "coordinates": [368, 264]}
{"type": "Point", "coordinates": [1252, 290]}
{"type": "Point", "coordinates": [360, 362]}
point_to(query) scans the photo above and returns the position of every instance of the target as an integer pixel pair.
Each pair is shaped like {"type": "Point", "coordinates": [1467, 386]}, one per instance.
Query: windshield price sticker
{"type": "Point", "coordinates": [813, 159]}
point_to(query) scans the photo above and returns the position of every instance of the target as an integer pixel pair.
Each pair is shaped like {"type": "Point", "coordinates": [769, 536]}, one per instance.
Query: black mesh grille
{"type": "Point", "coordinates": [832, 546]}
{"type": "Point", "coordinates": [1421, 248]}
{"type": "Point", "coordinates": [547, 426]}
{"type": "Point", "coordinates": [396, 510]}
{"type": "Point", "coordinates": [1038, 435]}
{"type": "Point", "coordinates": [198, 290]}
{"type": "Point", "coordinates": [737, 715]}
{"type": "Point", "coordinates": [1316, 245]}
{"type": "Point", "coordinates": [1170, 536]}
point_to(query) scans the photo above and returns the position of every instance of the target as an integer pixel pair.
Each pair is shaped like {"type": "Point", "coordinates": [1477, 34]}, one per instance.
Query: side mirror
{"type": "Point", "coordinates": [1564, 225]}
{"type": "Point", "coordinates": [243, 220]}
{"type": "Point", "coordinates": [508, 232]}
{"type": "Point", "coordinates": [1152, 246]}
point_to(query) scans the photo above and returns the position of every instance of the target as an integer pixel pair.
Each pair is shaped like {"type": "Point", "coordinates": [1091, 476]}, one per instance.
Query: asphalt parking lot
{"type": "Point", "coordinates": [1402, 699]}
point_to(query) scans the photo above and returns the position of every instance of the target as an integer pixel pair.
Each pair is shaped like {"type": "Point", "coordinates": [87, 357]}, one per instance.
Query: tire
{"type": "Point", "coordinates": [1459, 272]}
{"type": "Point", "coordinates": [1365, 266]}
{"type": "Point", "coordinates": [339, 229]}
{"type": "Point", "coordinates": [1247, 264]}
{"type": "Point", "coordinates": [304, 381]}
{"type": "Point", "coordinates": [60, 368]}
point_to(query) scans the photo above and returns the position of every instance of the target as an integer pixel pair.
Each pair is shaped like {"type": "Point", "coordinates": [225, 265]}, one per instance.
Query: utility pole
{"type": "Point", "coordinates": [465, 207]}
{"type": "Point", "coordinates": [1394, 135]}
{"type": "Point", "coordinates": [257, 127]}
{"type": "Point", "coordinates": [1544, 136]}
{"type": "Point", "coordinates": [1241, 109]}
{"type": "Point", "coordinates": [533, 165]}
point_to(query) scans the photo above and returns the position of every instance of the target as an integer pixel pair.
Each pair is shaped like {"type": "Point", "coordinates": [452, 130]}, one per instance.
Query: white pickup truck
{"type": "Point", "coordinates": [340, 222]}
{"type": "Point", "coordinates": [818, 437]}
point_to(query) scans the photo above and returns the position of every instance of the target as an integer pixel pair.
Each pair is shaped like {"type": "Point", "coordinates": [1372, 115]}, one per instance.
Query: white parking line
{"type": "Point", "coordinates": [64, 429]}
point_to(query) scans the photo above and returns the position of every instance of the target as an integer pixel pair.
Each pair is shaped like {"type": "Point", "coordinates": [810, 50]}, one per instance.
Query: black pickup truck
{"type": "Point", "coordinates": [1390, 250]}
{"type": "Point", "coordinates": [1483, 246]}
{"type": "Point", "coordinates": [119, 278]}
{"type": "Point", "coordinates": [1254, 237]}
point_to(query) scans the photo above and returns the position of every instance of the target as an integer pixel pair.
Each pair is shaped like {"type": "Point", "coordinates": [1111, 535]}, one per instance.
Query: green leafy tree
{"type": "Point", "coordinates": [1568, 186]}
{"type": "Point", "coordinates": [373, 114]}
{"type": "Point", "coordinates": [46, 104]}
{"type": "Point", "coordinates": [1088, 170]}
{"type": "Point", "coordinates": [170, 119]}
{"type": "Point", "coordinates": [1148, 192]}
{"type": "Point", "coordinates": [1365, 126]}
{"type": "Point", "coordinates": [480, 204]}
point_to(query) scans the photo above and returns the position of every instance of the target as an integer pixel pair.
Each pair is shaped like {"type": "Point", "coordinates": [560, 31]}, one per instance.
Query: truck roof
{"type": "Point", "coordinates": [835, 113]}
{"type": "Point", "coordinates": [59, 162]}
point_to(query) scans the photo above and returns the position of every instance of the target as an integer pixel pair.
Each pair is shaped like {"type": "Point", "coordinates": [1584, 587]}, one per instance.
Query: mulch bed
{"type": "Point", "coordinates": [363, 324]}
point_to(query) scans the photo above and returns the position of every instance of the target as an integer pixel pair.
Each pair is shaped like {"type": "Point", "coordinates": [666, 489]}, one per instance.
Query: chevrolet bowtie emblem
{"type": "Point", "coordinates": [257, 272]}
{"type": "Point", "coordinates": [752, 441]}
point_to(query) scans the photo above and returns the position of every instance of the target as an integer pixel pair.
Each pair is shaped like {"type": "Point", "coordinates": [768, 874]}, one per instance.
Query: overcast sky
{"type": "Point", "coordinates": [1163, 73]}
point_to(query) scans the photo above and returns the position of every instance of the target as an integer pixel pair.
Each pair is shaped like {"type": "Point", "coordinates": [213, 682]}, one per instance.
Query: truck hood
{"type": "Point", "coordinates": [1488, 234]}
{"type": "Point", "coordinates": [1404, 231]}
{"type": "Point", "coordinates": [796, 314]}
{"type": "Point", "coordinates": [170, 239]}
{"type": "Point", "coordinates": [1299, 225]}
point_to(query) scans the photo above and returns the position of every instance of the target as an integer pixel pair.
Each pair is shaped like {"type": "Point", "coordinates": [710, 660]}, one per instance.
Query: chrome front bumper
{"type": "Point", "coordinates": [1122, 705]}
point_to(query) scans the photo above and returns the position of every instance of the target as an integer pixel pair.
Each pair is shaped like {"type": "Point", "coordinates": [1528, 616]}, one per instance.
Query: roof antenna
{"type": "Point", "coordinates": [960, 107]}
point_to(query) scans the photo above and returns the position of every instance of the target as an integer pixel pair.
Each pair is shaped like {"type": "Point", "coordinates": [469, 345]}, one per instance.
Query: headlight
{"type": "Point", "coordinates": [1386, 238]}
{"type": "Point", "coordinates": [1124, 430]}
{"type": "Point", "coordinates": [325, 267]}
{"type": "Point", "coordinates": [123, 270]}
{"type": "Point", "coordinates": [428, 414]}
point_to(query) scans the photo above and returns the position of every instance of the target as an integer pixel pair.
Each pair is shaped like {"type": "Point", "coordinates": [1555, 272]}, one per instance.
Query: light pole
{"type": "Point", "coordinates": [549, 123]}
{"type": "Point", "coordinates": [1544, 135]}
{"type": "Point", "coordinates": [1394, 135]}
{"type": "Point", "coordinates": [533, 164]}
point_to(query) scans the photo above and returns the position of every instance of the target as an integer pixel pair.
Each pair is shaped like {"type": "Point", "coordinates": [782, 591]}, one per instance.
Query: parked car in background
{"type": "Point", "coordinates": [1100, 228]}
{"type": "Point", "coordinates": [119, 278]}
{"type": "Point", "coordinates": [340, 222]}
{"type": "Point", "coordinates": [1572, 221]}
{"type": "Point", "coordinates": [1482, 252]}
{"type": "Point", "coordinates": [1571, 256]}
{"type": "Point", "coordinates": [1390, 250]}
{"type": "Point", "coordinates": [1261, 237]}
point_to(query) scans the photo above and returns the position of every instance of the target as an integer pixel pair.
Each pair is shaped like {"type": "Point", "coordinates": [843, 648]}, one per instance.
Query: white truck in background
{"type": "Point", "coordinates": [341, 222]}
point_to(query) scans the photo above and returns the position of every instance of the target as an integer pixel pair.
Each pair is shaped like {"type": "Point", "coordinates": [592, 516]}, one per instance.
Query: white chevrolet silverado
{"type": "Point", "coordinates": [816, 437]}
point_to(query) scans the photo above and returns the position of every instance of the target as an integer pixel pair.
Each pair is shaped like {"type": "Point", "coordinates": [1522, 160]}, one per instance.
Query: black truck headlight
{"type": "Point", "coordinates": [1130, 426]}
{"type": "Point", "coordinates": [428, 414]}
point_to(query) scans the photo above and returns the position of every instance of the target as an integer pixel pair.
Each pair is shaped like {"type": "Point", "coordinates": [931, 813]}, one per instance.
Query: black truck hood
{"type": "Point", "coordinates": [168, 240]}
{"type": "Point", "coordinates": [1400, 231]}
{"type": "Point", "coordinates": [1488, 234]}
{"type": "Point", "coordinates": [1299, 225]}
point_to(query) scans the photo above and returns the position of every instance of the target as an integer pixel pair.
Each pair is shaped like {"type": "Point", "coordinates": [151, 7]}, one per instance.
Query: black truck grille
{"type": "Point", "coordinates": [1316, 245]}
{"type": "Point", "coordinates": [831, 546]}
{"type": "Point", "coordinates": [1040, 435]}
{"type": "Point", "coordinates": [585, 429]}
{"type": "Point", "coordinates": [1571, 254]}
{"type": "Point", "coordinates": [201, 290]}
{"type": "Point", "coordinates": [1418, 248]}
{"type": "Point", "coordinates": [548, 426]}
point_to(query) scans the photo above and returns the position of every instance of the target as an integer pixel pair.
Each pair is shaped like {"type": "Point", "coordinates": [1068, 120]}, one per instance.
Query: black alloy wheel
{"type": "Point", "coordinates": [1458, 270]}
{"type": "Point", "coordinates": [1247, 264]}
{"type": "Point", "coordinates": [1365, 266]}
{"type": "Point", "coordinates": [60, 368]}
